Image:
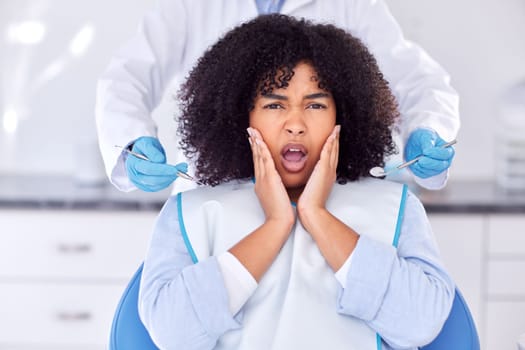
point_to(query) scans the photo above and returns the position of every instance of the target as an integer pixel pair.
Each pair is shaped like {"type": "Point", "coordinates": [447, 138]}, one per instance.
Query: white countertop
{"type": "Point", "coordinates": [54, 192]}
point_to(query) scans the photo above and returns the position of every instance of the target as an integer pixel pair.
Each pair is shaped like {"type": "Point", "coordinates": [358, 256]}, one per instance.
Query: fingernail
{"type": "Point", "coordinates": [338, 129]}
{"type": "Point", "coordinates": [249, 130]}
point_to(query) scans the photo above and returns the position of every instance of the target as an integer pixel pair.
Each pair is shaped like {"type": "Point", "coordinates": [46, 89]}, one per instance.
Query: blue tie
{"type": "Point", "coordinates": [269, 6]}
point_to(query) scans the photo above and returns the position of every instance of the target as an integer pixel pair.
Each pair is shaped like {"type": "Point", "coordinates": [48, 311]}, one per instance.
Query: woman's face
{"type": "Point", "coordinates": [295, 122]}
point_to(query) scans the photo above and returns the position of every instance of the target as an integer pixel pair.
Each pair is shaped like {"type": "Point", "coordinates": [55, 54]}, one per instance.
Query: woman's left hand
{"type": "Point", "coordinates": [335, 240]}
{"type": "Point", "coordinates": [322, 180]}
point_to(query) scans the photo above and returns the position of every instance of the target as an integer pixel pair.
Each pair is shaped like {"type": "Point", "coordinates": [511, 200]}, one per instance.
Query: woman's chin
{"type": "Point", "coordinates": [294, 181]}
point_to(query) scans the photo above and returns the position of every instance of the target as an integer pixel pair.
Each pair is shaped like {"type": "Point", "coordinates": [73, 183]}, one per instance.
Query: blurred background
{"type": "Point", "coordinates": [52, 179]}
{"type": "Point", "coordinates": [53, 51]}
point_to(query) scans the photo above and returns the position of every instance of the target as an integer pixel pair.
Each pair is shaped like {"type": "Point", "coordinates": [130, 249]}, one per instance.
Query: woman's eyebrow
{"type": "Point", "coordinates": [307, 97]}
{"type": "Point", "coordinates": [275, 96]}
{"type": "Point", "coordinates": [317, 95]}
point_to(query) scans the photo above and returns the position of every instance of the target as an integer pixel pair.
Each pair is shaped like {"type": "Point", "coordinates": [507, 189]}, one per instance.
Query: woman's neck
{"type": "Point", "coordinates": [295, 193]}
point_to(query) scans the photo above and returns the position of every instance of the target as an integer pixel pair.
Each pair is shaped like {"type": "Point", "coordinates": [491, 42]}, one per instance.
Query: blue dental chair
{"type": "Point", "coordinates": [128, 333]}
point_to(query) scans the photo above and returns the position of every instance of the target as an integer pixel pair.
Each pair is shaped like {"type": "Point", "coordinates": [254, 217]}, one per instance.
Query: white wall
{"type": "Point", "coordinates": [479, 42]}
{"type": "Point", "coordinates": [56, 115]}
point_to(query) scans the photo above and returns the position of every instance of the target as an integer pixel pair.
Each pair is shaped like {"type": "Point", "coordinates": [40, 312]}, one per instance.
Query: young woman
{"type": "Point", "coordinates": [292, 245]}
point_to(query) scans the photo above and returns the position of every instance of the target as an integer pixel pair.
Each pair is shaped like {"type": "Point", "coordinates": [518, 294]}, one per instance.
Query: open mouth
{"type": "Point", "coordinates": [293, 157]}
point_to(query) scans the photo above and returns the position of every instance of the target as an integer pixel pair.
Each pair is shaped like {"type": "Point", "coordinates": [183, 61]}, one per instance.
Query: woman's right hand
{"type": "Point", "coordinates": [269, 187]}
{"type": "Point", "coordinates": [257, 250]}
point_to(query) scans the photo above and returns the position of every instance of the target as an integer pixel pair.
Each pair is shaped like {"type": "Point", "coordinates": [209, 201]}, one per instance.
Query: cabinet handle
{"type": "Point", "coordinates": [79, 248]}
{"type": "Point", "coordinates": [65, 316]}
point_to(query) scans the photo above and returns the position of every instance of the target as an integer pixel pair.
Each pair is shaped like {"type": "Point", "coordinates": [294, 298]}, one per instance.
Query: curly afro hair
{"type": "Point", "coordinates": [259, 56]}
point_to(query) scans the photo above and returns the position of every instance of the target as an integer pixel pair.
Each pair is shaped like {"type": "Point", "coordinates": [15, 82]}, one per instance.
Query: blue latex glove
{"type": "Point", "coordinates": [428, 143]}
{"type": "Point", "coordinates": [153, 175]}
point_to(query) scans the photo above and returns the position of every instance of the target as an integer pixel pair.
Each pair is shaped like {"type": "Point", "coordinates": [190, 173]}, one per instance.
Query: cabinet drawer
{"type": "Point", "coordinates": [59, 314]}
{"type": "Point", "coordinates": [505, 323]}
{"type": "Point", "coordinates": [505, 278]}
{"type": "Point", "coordinates": [506, 235]}
{"type": "Point", "coordinates": [71, 244]}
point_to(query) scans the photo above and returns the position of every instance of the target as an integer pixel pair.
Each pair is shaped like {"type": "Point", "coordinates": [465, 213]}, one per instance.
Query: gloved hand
{"type": "Point", "coordinates": [153, 175]}
{"type": "Point", "coordinates": [428, 143]}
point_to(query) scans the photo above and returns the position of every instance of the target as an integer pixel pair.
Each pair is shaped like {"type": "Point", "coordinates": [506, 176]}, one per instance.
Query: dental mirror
{"type": "Point", "coordinates": [377, 172]}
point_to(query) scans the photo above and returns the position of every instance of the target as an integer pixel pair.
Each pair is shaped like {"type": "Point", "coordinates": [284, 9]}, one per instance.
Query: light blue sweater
{"type": "Point", "coordinates": [404, 294]}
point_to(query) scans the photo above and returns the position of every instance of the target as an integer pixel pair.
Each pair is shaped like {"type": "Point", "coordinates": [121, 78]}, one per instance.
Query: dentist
{"type": "Point", "coordinates": [173, 35]}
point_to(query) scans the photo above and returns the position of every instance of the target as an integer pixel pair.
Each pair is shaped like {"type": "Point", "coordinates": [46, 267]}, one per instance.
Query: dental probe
{"type": "Point", "coordinates": [143, 157]}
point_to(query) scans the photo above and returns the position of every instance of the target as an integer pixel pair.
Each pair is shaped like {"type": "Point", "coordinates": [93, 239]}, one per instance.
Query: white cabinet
{"type": "Point", "coordinates": [505, 289]}
{"type": "Point", "coordinates": [67, 314]}
{"type": "Point", "coordinates": [62, 273]}
{"type": "Point", "coordinates": [505, 323]}
{"type": "Point", "coordinates": [485, 254]}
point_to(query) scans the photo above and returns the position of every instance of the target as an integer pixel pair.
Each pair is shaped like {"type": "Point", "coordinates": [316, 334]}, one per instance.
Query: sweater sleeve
{"type": "Point", "coordinates": [404, 294]}
{"type": "Point", "coordinates": [183, 305]}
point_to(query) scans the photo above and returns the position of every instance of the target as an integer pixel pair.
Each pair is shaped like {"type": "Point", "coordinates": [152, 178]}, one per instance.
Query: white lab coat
{"type": "Point", "coordinates": [177, 32]}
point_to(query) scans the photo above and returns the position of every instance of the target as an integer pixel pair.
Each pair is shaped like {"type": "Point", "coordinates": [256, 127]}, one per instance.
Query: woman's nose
{"type": "Point", "coordinates": [295, 124]}
{"type": "Point", "coordinates": [295, 131]}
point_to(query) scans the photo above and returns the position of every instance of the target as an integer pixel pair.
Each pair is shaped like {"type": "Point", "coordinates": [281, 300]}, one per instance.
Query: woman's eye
{"type": "Point", "coordinates": [316, 106]}
{"type": "Point", "coordinates": [273, 106]}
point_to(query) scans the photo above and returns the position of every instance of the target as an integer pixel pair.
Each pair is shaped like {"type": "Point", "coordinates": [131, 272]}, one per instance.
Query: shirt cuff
{"type": "Point", "coordinates": [368, 279]}
{"type": "Point", "coordinates": [341, 274]}
{"type": "Point", "coordinates": [119, 175]}
{"type": "Point", "coordinates": [238, 281]}
{"type": "Point", "coordinates": [433, 183]}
